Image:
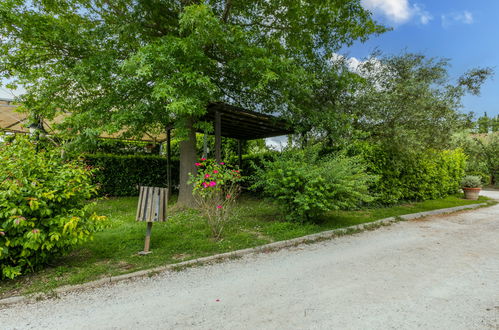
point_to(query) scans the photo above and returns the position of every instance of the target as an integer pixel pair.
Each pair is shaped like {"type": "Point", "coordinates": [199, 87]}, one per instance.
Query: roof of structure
{"type": "Point", "coordinates": [239, 123]}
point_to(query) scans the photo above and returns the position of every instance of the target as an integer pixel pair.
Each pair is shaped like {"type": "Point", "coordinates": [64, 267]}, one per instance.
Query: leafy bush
{"type": "Point", "coordinates": [43, 212]}
{"type": "Point", "coordinates": [410, 175]}
{"type": "Point", "coordinates": [483, 154]}
{"type": "Point", "coordinates": [215, 187]}
{"type": "Point", "coordinates": [471, 181]}
{"type": "Point", "coordinates": [121, 175]}
{"type": "Point", "coordinates": [307, 186]}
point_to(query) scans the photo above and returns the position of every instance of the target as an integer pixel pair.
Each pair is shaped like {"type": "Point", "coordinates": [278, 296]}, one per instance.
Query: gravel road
{"type": "Point", "coordinates": [438, 273]}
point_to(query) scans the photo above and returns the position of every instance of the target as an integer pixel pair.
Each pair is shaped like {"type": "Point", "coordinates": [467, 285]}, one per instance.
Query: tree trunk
{"type": "Point", "coordinates": [187, 159]}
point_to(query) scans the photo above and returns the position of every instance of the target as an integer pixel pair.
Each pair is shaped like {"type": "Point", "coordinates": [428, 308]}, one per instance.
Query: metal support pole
{"type": "Point", "coordinates": [218, 136]}
{"type": "Point", "coordinates": [169, 160]}
{"type": "Point", "coordinates": [240, 153]}
{"type": "Point", "coordinates": [205, 145]}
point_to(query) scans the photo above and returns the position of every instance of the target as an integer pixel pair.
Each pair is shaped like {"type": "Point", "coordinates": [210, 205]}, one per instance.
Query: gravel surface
{"type": "Point", "coordinates": [438, 273]}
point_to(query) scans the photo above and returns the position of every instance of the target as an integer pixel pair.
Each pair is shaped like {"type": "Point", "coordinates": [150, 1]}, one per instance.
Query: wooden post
{"type": "Point", "coordinates": [169, 161]}
{"type": "Point", "coordinates": [240, 153]}
{"type": "Point", "coordinates": [218, 137]}
{"type": "Point", "coordinates": [148, 239]}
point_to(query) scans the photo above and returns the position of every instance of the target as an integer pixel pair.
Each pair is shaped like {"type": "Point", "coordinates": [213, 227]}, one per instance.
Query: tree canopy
{"type": "Point", "coordinates": [406, 102]}
{"type": "Point", "coordinates": [139, 63]}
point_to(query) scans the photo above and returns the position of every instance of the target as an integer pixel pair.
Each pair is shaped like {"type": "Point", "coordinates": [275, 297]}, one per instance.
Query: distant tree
{"type": "Point", "coordinates": [484, 124]}
{"type": "Point", "coordinates": [139, 65]}
{"type": "Point", "coordinates": [482, 151]}
{"type": "Point", "coordinates": [495, 124]}
{"type": "Point", "coordinates": [407, 102]}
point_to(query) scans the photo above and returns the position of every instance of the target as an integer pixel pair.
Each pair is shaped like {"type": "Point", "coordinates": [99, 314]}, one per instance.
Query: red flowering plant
{"type": "Point", "coordinates": [215, 187]}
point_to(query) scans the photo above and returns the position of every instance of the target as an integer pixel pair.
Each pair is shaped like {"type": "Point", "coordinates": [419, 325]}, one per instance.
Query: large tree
{"type": "Point", "coordinates": [139, 65]}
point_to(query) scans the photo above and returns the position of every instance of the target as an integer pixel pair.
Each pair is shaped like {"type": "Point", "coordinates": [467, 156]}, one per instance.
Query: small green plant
{"type": "Point", "coordinates": [307, 186]}
{"type": "Point", "coordinates": [471, 181]}
{"type": "Point", "coordinates": [215, 187]}
{"type": "Point", "coordinates": [43, 209]}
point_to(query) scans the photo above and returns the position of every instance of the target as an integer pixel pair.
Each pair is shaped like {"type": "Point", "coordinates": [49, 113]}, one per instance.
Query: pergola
{"type": "Point", "coordinates": [228, 121]}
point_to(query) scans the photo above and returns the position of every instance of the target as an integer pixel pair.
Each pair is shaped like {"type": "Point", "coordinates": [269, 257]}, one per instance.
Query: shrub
{"type": "Point", "coordinates": [471, 181]}
{"type": "Point", "coordinates": [43, 209]}
{"type": "Point", "coordinates": [215, 187]}
{"type": "Point", "coordinates": [307, 186]}
{"type": "Point", "coordinates": [411, 175]}
{"type": "Point", "coordinates": [121, 175]}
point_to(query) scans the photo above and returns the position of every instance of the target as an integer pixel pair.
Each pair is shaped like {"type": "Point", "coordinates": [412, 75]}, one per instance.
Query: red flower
{"type": "Point", "coordinates": [206, 176]}
{"type": "Point", "coordinates": [213, 184]}
{"type": "Point", "coordinates": [219, 206]}
{"type": "Point", "coordinates": [203, 159]}
{"type": "Point", "coordinates": [197, 164]}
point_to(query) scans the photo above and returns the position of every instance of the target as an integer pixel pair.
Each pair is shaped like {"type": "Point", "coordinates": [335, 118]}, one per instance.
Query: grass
{"type": "Point", "coordinates": [185, 236]}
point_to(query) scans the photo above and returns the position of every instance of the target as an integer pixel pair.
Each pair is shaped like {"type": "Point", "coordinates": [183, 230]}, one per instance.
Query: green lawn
{"type": "Point", "coordinates": [185, 236]}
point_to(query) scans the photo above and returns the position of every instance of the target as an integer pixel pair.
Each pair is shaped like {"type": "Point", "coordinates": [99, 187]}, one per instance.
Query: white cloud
{"type": "Point", "coordinates": [277, 143]}
{"type": "Point", "coordinates": [464, 17]}
{"type": "Point", "coordinates": [398, 11]}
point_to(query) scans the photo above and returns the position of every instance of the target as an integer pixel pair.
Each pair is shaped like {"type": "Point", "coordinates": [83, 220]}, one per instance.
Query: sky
{"type": "Point", "coordinates": [464, 31]}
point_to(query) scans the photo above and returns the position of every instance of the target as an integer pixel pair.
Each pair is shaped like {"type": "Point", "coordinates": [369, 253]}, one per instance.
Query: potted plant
{"type": "Point", "coordinates": [471, 185]}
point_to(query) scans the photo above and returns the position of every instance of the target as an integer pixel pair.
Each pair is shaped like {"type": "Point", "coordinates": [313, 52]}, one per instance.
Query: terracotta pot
{"type": "Point", "coordinates": [471, 193]}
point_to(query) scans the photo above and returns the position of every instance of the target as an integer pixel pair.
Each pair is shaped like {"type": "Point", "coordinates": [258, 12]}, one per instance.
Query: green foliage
{"type": "Point", "coordinates": [471, 181]}
{"type": "Point", "coordinates": [250, 164]}
{"type": "Point", "coordinates": [43, 209]}
{"type": "Point", "coordinates": [215, 187]}
{"type": "Point", "coordinates": [408, 176]}
{"type": "Point", "coordinates": [139, 64]}
{"type": "Point", "coordinates": [121, 175]}
{"type": "Point", "coordinates": [483, 154]}
{"type": "Point", "coordinates": [112, 146]}
{"type": "Point", "coordinates": [307, 186]}
{"type": "Point", "coordinates": [404, 102]}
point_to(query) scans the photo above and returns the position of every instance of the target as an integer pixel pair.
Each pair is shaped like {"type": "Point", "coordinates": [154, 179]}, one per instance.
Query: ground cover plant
{"type": "Point", "coordinates": [43, 211]}
{"type": "Point", "coordinates": [186, 236]}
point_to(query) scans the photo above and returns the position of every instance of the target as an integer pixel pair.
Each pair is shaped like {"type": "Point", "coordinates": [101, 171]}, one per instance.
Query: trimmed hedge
{"type": "Point", "coordinates": [121, 175]}
{"type": "Point", "coordinates": [414, 176]}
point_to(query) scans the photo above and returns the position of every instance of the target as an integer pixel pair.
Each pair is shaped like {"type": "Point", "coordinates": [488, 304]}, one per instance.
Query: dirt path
{"type": "Point", "coordinates": [440, 273]}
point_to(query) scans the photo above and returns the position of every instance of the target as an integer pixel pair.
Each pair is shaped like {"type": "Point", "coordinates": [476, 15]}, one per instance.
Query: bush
{"type": "Point", "coordinates": [471, 181]}
{"type": "Point", "coordinates": [409, 176]}
{"type": "Point", "coordinates": [307, 186]}
{"type": "Point", "coordinates": [215, 188]}
{"type": "Point", "coordinates": [121, 175]}
{"type": "Point", "coordinates": [43, 210]}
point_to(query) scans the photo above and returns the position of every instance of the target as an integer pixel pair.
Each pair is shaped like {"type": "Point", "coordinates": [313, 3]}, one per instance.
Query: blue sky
{"type": "Point", "coordinates": [464, 31]}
